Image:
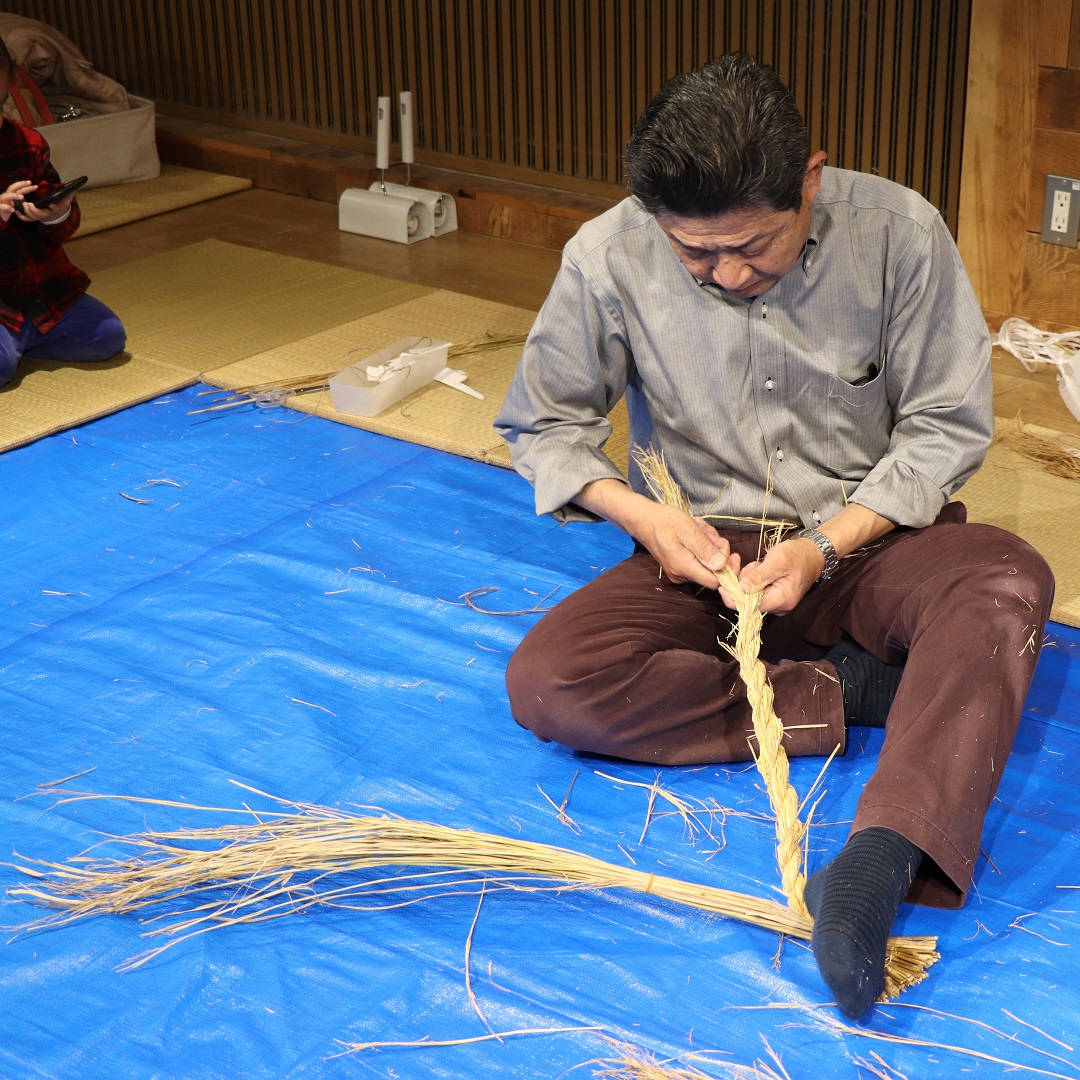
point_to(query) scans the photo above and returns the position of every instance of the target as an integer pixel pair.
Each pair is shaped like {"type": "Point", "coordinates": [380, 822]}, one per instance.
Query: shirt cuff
{"type": "Point", "coordinates": [901, 494]}
{"type": "Point", "coordinates": [60, 220]}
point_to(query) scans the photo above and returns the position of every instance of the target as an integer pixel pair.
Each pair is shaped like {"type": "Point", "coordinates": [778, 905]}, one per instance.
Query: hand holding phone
{"type": "Point", "coordinates": [54, 196]}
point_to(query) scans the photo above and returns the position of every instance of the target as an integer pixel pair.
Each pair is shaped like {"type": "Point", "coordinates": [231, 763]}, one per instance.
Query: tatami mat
{"type": "Point", "coordinates": [436, 415]}
{"type": "Point", "coordinates": [46, 397]}
{"type": "Point", "coordinates": [186, 311]}
{"type": "Point", "coordinates": [1013, 492]}
{"type": "Point", "coordinates": [119, 204]}
{"type": "Point", "coordinates": [212, 303]}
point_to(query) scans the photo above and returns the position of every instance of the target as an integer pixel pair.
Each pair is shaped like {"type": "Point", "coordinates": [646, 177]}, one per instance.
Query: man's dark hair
{"type": "Point", "coordinates": [7, 64]}
{"type": "Point", "coordinates": [725, 136]}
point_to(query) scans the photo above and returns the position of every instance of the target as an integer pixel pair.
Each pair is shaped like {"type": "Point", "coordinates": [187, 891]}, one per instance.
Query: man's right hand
{"type": "Point", "coordinates": [686, 548]}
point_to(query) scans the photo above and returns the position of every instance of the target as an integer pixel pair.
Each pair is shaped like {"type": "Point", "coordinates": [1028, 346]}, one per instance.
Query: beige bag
{"type": "Point", "coordinates": [58, 67]}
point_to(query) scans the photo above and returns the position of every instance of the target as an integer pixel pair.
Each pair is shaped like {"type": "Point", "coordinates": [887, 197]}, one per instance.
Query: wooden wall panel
{"type": "Point", "coordinates": [518, 87]}
{"type": "Point", "coordinates": [1056, 152]}
{"type": "Point", "coordinates": [1058, 103]}
{"type": "Point", "coordinates": [1055, 24]}
{"type": "Point", "coordinates": [998, 138]}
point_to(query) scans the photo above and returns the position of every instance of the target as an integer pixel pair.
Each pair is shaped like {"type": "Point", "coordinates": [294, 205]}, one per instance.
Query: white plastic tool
{"type": "Point", "coordinates": [387, 216]}
{"type": "Point", "coordinates": [440, 206]}
{"type": "Point", "coordinates": [455, 377]}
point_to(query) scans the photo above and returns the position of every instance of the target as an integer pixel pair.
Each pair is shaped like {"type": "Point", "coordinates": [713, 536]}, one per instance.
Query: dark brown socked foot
{"type": "Point", "coordinates": [868, 684]}
{"type": "Point", "coordinates": [854, 901]}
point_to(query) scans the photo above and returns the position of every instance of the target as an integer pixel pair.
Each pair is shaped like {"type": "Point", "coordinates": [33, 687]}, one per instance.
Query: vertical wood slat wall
{"type": "Point", "coordinates": [540, 90]}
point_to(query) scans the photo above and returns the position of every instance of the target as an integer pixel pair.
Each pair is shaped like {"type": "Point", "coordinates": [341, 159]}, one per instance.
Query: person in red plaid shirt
{"type": "Point", "coordinates": [44, 308]}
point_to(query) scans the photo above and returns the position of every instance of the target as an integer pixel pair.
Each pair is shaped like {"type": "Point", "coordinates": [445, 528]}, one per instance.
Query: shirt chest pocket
{"type": "Point", "coordinates": [859, 424]}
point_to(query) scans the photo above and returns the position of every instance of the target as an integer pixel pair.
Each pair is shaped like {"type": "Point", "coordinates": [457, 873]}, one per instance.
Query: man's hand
{"type": "Point", "coordinates": [687, 548]}
{"type": "Point", "coordinates": [783, 577]}
{"type": "Point", "coordinates": [789, 569]}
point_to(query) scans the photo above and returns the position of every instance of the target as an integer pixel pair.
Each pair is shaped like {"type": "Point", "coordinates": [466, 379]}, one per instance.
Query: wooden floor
{"type": "Point", "coordinates": [481, 266]}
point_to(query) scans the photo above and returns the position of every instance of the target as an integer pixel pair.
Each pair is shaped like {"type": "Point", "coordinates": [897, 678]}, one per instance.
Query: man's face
{"type": "Point", "coordinates": [745, 252]}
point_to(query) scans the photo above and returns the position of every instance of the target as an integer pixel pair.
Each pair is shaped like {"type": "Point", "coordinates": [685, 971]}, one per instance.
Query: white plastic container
{"type": "Point", "coordinates": [353, 392]}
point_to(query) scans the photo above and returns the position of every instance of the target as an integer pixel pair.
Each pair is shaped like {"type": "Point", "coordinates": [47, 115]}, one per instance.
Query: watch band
{"type": "Point", "coordinates": [825, 546]}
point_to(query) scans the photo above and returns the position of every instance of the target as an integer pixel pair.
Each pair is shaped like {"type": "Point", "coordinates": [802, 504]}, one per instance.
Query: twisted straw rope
{"type": "Point", "coordinates": [771, 757]}
{"type": "Point", "coordinates": [906, 958]}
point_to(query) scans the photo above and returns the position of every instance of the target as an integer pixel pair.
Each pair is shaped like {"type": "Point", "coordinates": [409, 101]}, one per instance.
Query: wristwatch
{"type": "Point", "coordinates": [825, 546]}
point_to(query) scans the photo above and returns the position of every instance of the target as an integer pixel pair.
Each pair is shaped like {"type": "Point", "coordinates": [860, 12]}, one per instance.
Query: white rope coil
{"type": "Point", "coordinates": [1032, 347]}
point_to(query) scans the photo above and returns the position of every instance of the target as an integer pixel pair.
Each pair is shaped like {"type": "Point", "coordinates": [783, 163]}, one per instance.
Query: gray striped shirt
{"type": "Point", "coordinates": [863, 375]}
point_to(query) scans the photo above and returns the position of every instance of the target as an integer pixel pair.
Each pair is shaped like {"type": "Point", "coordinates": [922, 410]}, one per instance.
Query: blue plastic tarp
{"type": "Point", "coordinates": [277, 601]}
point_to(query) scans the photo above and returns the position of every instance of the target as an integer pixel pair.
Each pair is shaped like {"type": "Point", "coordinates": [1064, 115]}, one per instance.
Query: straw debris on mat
{"type": "Point", "coordinates": [1056, 456]}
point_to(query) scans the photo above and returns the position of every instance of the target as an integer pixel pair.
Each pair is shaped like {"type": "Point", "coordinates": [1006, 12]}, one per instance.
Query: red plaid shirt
{"type": "Point", "coordinates": [37, 280]}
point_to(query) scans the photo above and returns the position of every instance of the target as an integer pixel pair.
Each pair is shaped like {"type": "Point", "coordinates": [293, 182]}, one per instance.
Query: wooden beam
{"type": "Point", "coordinates": [998, 133]}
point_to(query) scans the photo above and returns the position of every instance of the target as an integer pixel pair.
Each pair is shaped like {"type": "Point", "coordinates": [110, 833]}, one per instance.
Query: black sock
{"type": "Point", "coordinates": [868, 684]}
{"type": "Point", "coordinates": [854, 901]}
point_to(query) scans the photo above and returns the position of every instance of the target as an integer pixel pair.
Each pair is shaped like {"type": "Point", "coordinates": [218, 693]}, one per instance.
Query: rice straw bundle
{"type": "Point", "coordinates": [902, 968]}
{"type": "Point", "coordinates": [1053, 455]}
{"type": "Point", "coordinates": [287, 861]}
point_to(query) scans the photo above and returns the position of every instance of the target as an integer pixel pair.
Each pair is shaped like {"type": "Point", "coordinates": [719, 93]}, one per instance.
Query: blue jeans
{"type": "Point", "coordinates": [87, 331]}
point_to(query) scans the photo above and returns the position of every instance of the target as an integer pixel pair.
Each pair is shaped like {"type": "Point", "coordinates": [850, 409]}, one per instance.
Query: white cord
{"type": "Point", "coordinates": [1032, 346]}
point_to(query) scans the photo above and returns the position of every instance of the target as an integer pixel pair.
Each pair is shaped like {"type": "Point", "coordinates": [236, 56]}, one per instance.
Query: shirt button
{"type": "Point", "coordinates": [817, 518]}
{"type": "Point", "coordinates": [769, 384]}
{"type": "Point", "coordinates": [779, 455]}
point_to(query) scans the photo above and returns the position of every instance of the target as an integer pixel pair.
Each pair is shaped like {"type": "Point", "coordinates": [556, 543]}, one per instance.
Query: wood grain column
{"type": "Point", "coordinates": [998, 134]}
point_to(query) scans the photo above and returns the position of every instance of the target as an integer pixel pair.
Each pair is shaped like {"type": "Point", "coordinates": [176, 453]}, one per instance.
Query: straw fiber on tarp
{"type": "Point", "coordinates": [284, 610]}
{"type": "Point", "coordinates": [120, 204]}
{"type": "Point", "coordinates": [45, 397]}
{"type": "Point", "coordinates": [1014, 493]}
{"type": "Point", "coordinates": [211, 303]}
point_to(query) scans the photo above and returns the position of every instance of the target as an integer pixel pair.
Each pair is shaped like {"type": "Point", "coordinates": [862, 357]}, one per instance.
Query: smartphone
{"type": "Point", "coordinates": [42, 201]}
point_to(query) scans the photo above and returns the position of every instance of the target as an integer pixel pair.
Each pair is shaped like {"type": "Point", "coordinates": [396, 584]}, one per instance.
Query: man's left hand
{"type": "Point", "coordinates": [786, 573]}
{"type": "Point", "coordinates": [783, 577]}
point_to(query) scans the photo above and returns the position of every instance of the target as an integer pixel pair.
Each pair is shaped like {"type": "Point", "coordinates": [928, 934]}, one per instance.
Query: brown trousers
{"type": "Point", "coordinates": [630, 666]}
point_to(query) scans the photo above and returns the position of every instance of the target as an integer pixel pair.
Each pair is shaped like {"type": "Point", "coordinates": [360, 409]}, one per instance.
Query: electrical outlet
{"type": "Point", "coordinates": [1061, 211]}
